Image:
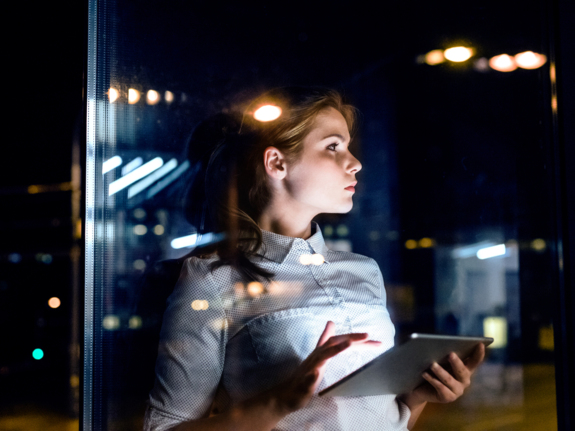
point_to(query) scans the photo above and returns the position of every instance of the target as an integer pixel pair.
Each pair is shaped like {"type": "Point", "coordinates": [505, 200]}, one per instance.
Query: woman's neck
{"type": "Point", "coordinates": [286, 223]}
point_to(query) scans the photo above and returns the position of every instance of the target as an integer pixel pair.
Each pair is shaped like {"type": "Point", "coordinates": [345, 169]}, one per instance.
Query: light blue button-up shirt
{"type": "Point", "coordinates": [223, 341]}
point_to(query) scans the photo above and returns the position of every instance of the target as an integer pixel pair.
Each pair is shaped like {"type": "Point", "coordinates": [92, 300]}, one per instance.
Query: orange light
{"type": "Point", "coordinates": [267, 113]}
{"type": "Point", "coordinates": [255, 289]}
{"type": "Point", "coordinates": [113, 95]}
{"type": "Point", "coordinates": [530, 60]}
{"type": "Point", "coordinates": [133, 96]}
{"type": "Point", "coordinates": [503, 63]}
{"type": "Point", "coordinates": [152, 97]}
{"type": "Point", "coordinates": [169, 96]}
{"type": "Point", "coordinates": [458, 54]}
{"type": "Point", "coordinates": [434, 57]}
{"type": "Point", "coordinates": [411, 244]}
{"type": "Point", "coordinates": [54, 302]}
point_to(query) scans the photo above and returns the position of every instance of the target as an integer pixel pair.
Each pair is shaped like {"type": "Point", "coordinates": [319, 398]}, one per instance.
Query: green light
{"type": "Point", "coordinates": [37, 354]}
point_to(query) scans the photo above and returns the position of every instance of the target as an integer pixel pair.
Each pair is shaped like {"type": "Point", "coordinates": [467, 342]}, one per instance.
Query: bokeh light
{"type": "Point", "coordinates": [113, 95]}
{"type": "Point", "coordinates": [200, 304]}
{"type": "Point", "coordinates": [140, 229]}
{"type": "Point", "coordinates": [255, 289]}
{"type": "Point", "coordinates": [133, 96]}
{"type": "Point", "coordinates": [503, 63]}
{"type": "Point", "coordinates": [139, 264]}
{"type": "Point", "coordinates": [54, 302]}
{"type": "Point", "coordinates": [152, 97]}
{"type": "Point", "coordinates": [267, 113]}
{"type": "Point", "coordinates": [317, 259]}
{"type": "Point", "coordinates": [305, 259]}
{"type": "Point", "coordinates": [538, 244]}
{"type": "Point", "coordinates": [159, 229]}
{"type": "Point", "coordinates": [37, 354]}
{"type": "Point", "coordinates": [426, 242]}
{"type": "Point", "coordinates": [169, 96]}
{"type": "Point", "coordinates": [135, 322]}
{"type": "Point", "coordinates": [530, 60]}
{"type": "Point", "coordinates": [458, 54]}
{"type": "Point", "coordinates": [434, 57]}
{"type": "Point", "coordinates": [411, 244]}
{"type": "Point", "coordinates": [111, 322]}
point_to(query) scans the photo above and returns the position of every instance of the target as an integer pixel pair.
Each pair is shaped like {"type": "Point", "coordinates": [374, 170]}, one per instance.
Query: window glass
{"type": "Point", "coordinates": [451, 201]}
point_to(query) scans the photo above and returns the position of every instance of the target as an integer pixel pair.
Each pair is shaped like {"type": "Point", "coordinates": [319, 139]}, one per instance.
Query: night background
{"type": "Point", "coordinates": [453, 154]}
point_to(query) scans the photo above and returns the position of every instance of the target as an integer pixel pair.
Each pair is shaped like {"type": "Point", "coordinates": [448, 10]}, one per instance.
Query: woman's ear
{"type": "Point", "coordinates": [275, 163]}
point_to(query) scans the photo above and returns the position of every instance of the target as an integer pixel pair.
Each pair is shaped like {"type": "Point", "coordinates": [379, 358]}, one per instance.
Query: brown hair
{"type": "Point", "coordinates": [235, 201]}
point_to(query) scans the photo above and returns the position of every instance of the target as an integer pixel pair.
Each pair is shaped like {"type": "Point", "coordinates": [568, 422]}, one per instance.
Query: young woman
{"type": "Point", "coordinates": [265, 319]}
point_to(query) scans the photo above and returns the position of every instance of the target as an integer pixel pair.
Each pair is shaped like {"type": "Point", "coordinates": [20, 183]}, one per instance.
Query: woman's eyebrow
{"type": "Point", "coordinates": [336, 135]}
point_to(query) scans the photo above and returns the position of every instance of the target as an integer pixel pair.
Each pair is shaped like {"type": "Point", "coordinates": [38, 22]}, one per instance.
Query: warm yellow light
{"type": "Point", "coordinates": [538, 244]}
{"type": "Point", "coordinates": [317, 259]}
{"type": "Point", "coordinates": [152, 97]}
{"type": "Point", "coordinates": [426, 242]}
{"type": "Point", "coordinates": [200, 304]}
{"type": "Point", "coordinates": [503, 63]}
{"type": "Point", "coordinates": [169, 96]}
{"type": "Point", "coordinates": [267, 113]}
{"type": "Point", "coordinates": [111, 322]}
{"type": "Point", "coordinates": [135, 322]}
{"type": "Point", "coordinates": [133, 96]}
{"type": "Point", "coordinates": [530, 60]}
{"type": "Point", "coordinates": [159, 229]}
{"type": "Point", "coordinates": [411, 244]}
{"type": "Point", "coordinates": [458, 54]}
{"type": "Point", "coordinates": [255, 289]}
{"type": "Point", "coordinates": [434, 57]}
{"type": "Point", "coordinates": [54, 302]}
{"type": "Point", "coordinates": [33, 189]}
{"type": "Point", "coordinates": [305, 259]}
{"type": "Point", "coordinates": [496, 328]}
{"type": "Point", "coordinates": [140, 229]}
{"type": "Point", "coordinates": [113, 95]}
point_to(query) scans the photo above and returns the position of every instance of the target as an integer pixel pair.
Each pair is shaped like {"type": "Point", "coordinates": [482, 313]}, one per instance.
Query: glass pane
{"type": "Point", "coordinates": [452, 196]}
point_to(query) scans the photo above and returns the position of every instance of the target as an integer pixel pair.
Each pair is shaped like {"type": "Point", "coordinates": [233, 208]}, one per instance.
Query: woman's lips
{"type": "Point", "coordinates": [350, 188]}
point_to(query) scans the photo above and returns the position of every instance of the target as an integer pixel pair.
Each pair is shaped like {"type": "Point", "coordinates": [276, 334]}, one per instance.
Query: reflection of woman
{"type": "Point", "coordinates": [251, 325]}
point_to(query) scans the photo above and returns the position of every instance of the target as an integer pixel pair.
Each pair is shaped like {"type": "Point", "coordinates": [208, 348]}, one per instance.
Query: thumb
{"type": "Point", "coordinates": [328, 332]}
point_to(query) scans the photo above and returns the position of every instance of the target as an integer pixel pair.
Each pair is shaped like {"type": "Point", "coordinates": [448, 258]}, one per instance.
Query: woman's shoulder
{"type": "Point", "coordinates": [348, 256]}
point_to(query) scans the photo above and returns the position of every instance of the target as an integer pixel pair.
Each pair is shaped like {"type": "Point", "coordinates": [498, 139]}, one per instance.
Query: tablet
{"type": "Point", "coordinates": [398, 370]}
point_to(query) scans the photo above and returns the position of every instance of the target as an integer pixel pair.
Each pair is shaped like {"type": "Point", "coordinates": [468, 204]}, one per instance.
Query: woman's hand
{"type": "Point", "coordinates": [295, 393]}
{"type": "Point", "coordinates": [443, 386]}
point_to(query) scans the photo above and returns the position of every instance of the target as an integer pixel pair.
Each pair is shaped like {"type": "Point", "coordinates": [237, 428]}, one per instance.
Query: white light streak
{"type": "Point", "coordinates": [168, 180]}
{"type": "Point", "coordinates": [146, 182]}
{"type": "Point", "coordinates": [110, 164]}
{"type": "Point", "coordinates": [493, 251]}
{"type": "Point", "coordinates": [184, 241]}
{"type": "Point", "coordinates": [130, 166]}
{"type": "Point", "coordinates": [135, 175]}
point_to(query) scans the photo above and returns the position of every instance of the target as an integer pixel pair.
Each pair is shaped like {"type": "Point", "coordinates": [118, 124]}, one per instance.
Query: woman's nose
{"type": "Point", "coordinates": [354, 165]}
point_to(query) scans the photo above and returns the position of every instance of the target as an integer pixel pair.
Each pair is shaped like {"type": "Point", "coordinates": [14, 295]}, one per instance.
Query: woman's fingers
{"type": "Point", "coordinates": [447, 379]}
{"type": "Point", "coordinates": [460, 371]}
{"type": "Point", "coordinates": [476, 357]}
{"type": "Point", "coordinates": [327, 333]}
{"type": "Point", "coordinates": [444, 394]}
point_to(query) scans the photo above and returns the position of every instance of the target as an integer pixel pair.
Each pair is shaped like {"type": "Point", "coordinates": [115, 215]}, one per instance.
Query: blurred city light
{"type": "Point", "coordinates": [168, 180]}
{"type": "Point", "coordinates": [54, 302]}
{"type": "Point", "coordinates": [426, 242]}
{"type": "Point", "coordinates": [135, 322]}
{"type": "Point", "coordinates": [140, 213]}
{"type": "Point", "coordinates": [110, 164]}
{"type": "Point", "coordinates": [305, 259]}
{"type": "Point", "coordinates": [159, 229]}
{"type": "Point", "coordinates": [169, 96]}
{"type": "Point", "coordinates": [200, 304]}
{"type": "Point", "coordinates": [152, 97]}
{"type": "Point", "coordinates": [328, 230]}
{"type": "Point", "coordinates": [146, 182]}
{"type": "Point", "coordinates": [139, 264]}
{"type": "Point", "coordinates": [342, 230]}
{"type": "Point", "coordinates": [184, 241]}
{"type": "Point", "coordinates": [317, 259]}
{"type": "Point", "coordinates": [255, 289]}
{"type": "Point", "coordinates": [496, 328]}
{"type": "Point", "coordinates": [130, 166]}
{"type": "Point", "coordinates": [113, 95]}
{"type": "Point", "coordinates": [140, 229]}
{"type": "Point", "coordinates": [434, 57]}
{"type": "Point", "coordinates": [503, 63]}
{"type": "Point", "coordinates": [493, 251]}
{"type": "Point", "coordinates": [133, 96]}
{"type": "Point", "coordinates": [267, 113]}
{"type": "Point", "coordinates": [111, 322]}
{"type": "Point", "coordinates": [135, 175]}
{"type": "Point", "coordinates": [411, 244]}
{"type": "Point", "coordinates": [538, 244]}
{"type": "Point", "coordinates": [14, 258]}
{"type": "Point", "coordinates": [37, 354]}
{"type": "Point", "coordinates": [530, 60]}
{"type": "Point", "coordinates": [458, 54]}
{"type": "Point", "coordinates": [481, 64]}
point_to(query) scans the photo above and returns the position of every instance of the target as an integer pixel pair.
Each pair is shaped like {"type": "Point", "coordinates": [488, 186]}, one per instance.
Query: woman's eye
{"type": "Point", "coordinates": [331, 147]}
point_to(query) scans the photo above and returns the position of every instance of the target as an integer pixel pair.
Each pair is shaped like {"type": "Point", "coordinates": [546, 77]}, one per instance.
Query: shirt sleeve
{"type": "Point", "coordinates": [191, 350]}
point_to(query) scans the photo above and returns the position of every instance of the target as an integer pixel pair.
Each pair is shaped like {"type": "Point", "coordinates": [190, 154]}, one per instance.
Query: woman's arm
{"type": "Point", "coordinates": [263, 412]}
{"type": "Point", "coordinates": [443, 386]}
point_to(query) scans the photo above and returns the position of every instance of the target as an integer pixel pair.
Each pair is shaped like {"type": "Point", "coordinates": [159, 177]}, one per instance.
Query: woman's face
{"type": "Point", "coordinates": [323, 178]}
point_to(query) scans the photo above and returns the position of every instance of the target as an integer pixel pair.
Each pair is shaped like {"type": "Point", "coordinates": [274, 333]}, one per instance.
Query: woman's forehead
{"type": "Point", "coordinates": [329, 122]}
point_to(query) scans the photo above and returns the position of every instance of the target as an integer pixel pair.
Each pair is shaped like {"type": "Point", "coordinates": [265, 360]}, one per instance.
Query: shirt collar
{"type": "Point", "coordinates": [276, 247]}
